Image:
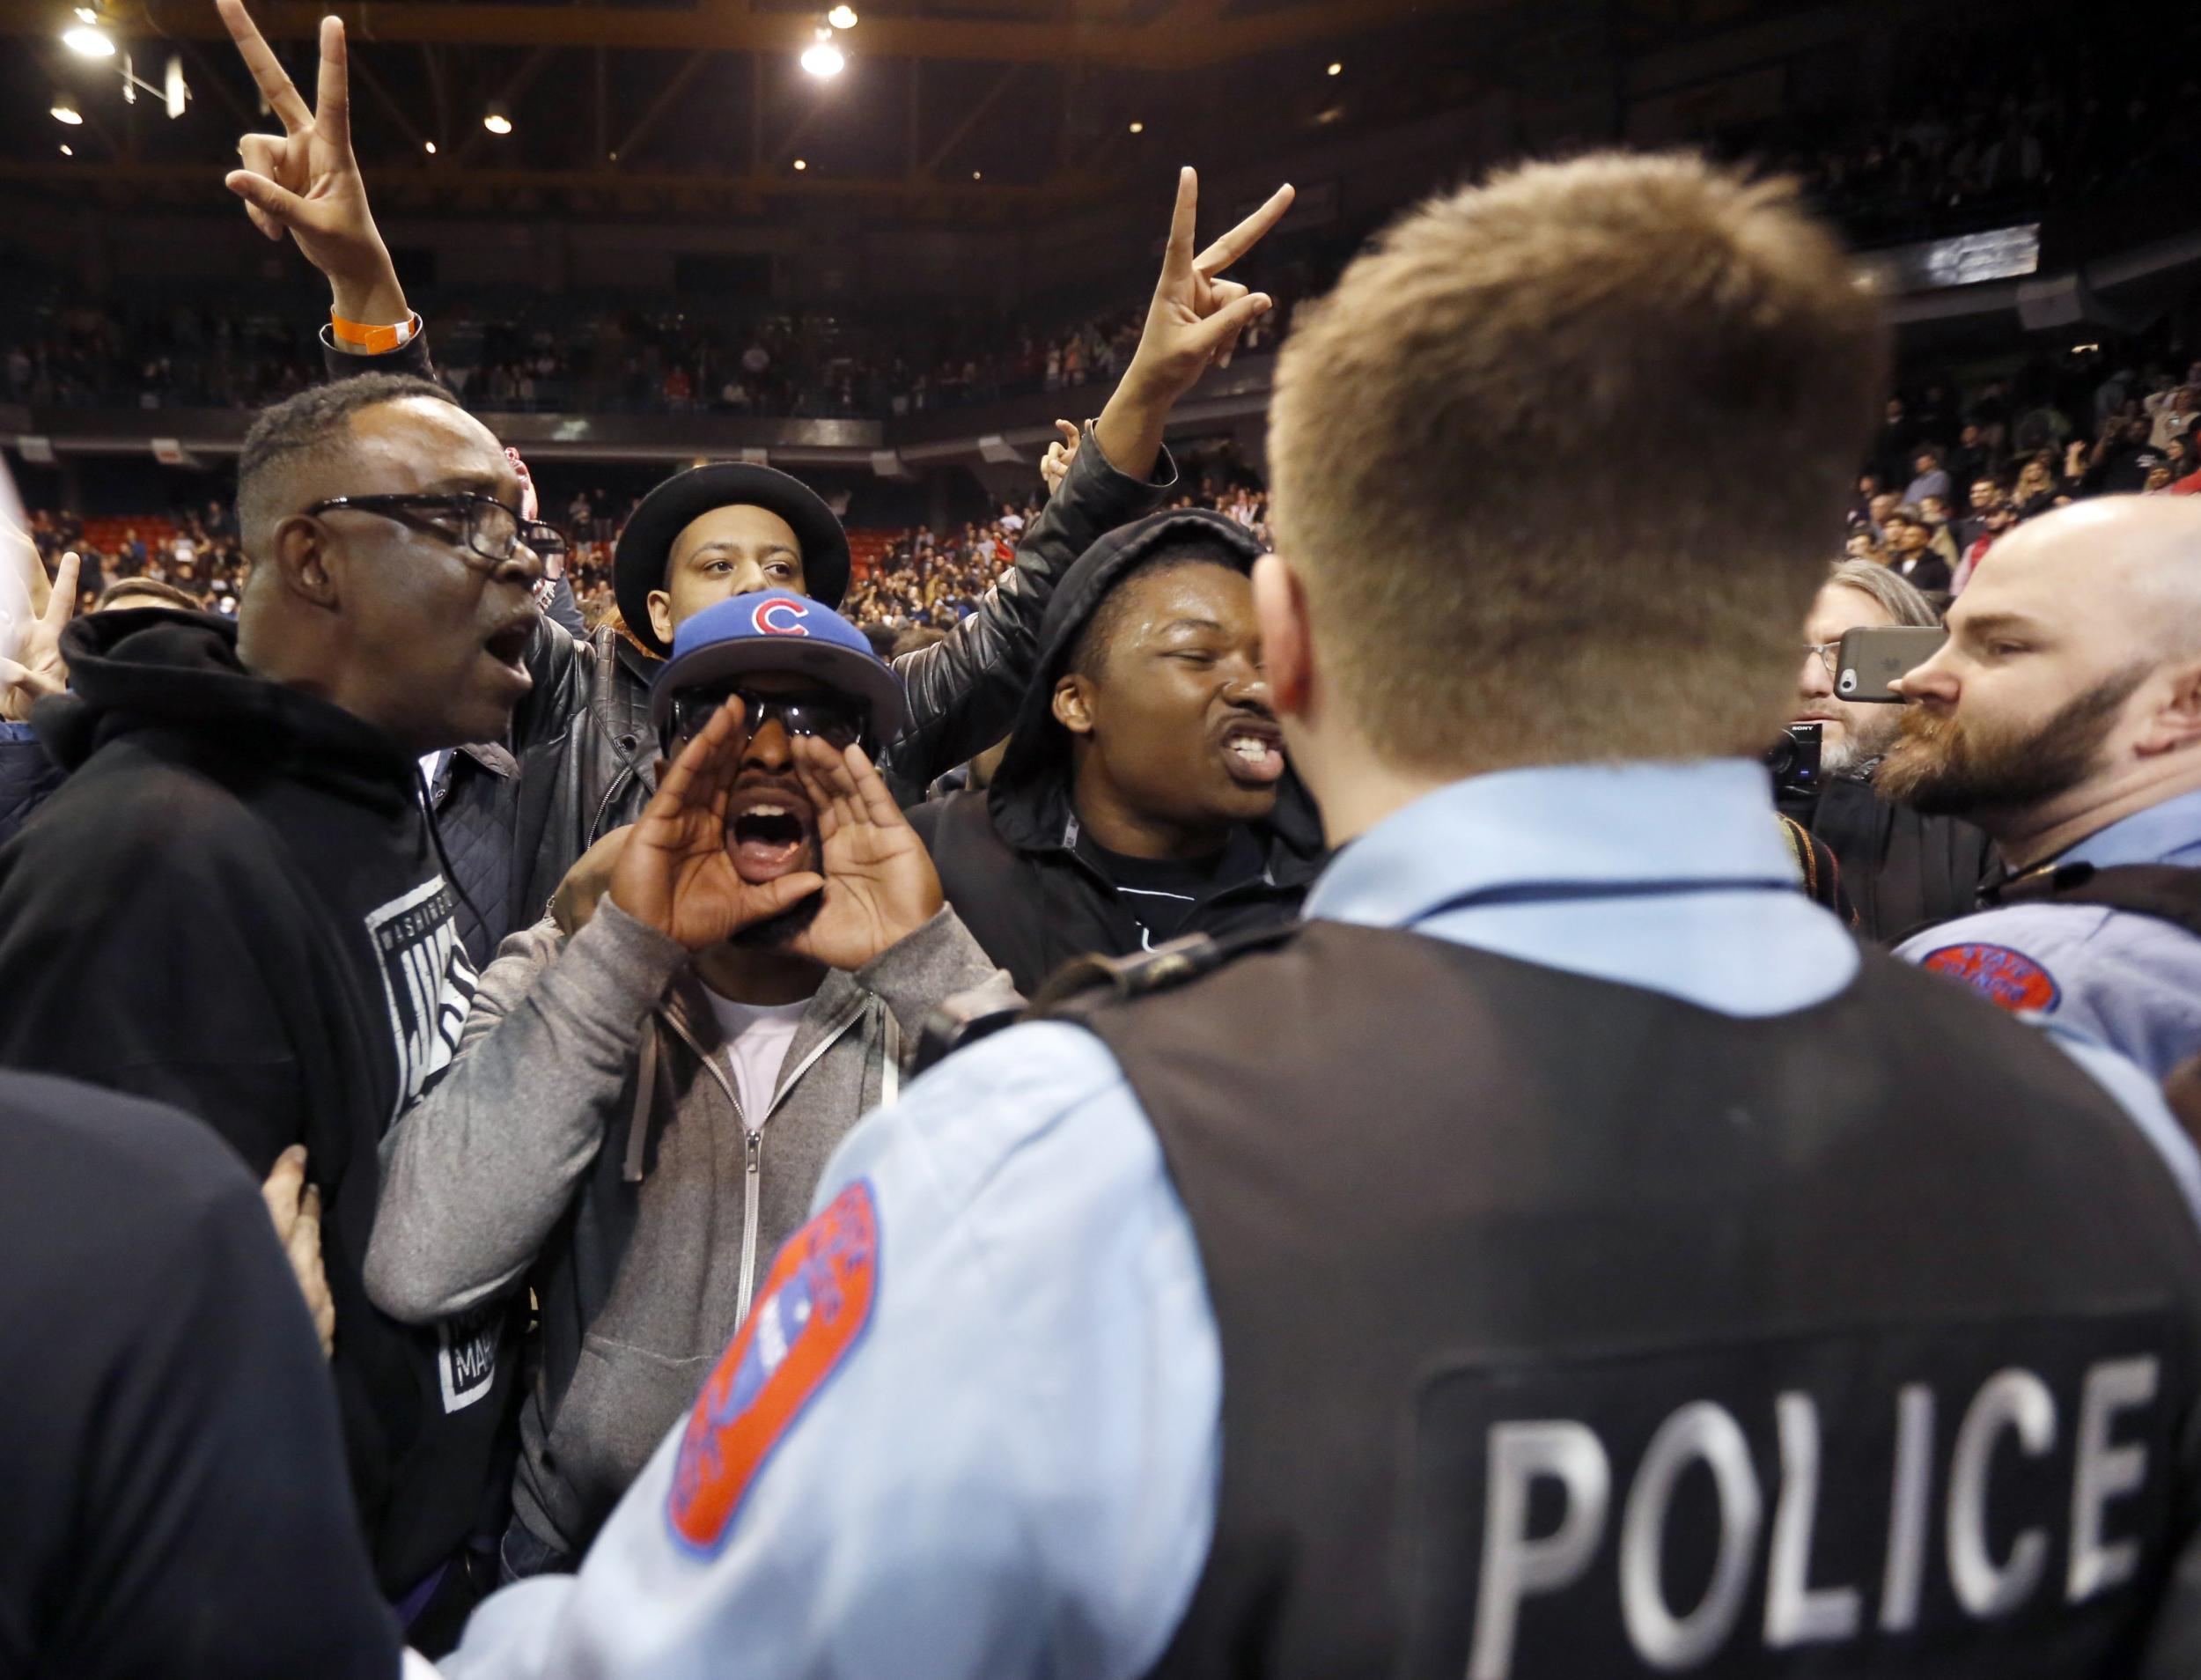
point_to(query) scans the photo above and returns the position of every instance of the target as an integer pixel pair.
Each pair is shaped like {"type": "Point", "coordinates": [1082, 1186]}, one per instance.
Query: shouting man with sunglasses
{"type": "Point", "coordinates": [645, 1096]}
{"type": "Point", "coordinates": [236, 903]}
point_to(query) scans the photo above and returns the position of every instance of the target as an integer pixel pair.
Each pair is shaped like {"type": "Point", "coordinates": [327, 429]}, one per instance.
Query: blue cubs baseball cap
{"type": "Point", "coordinates": [775, 631]}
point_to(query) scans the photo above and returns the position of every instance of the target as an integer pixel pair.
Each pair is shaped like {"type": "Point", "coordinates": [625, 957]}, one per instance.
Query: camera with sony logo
{"type": "Point", "coordinates": [1794, 760]}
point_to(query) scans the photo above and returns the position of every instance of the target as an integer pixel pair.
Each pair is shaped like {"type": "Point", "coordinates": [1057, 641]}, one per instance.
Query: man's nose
{"type": "Point", "coordinates": [1931, 683]}
{"type": "Point", "coordinates": [523, 566]}
{"type": "Point", "coordinates": [770, 747]}
{"type": "Point", "coordinates": [1817, 682]}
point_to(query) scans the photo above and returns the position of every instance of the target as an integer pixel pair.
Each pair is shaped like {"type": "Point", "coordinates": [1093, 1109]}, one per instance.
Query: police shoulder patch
{"type": "Point", "coordinates": [2005, 977]}
{"type": "Point", "coordinates": [813, 1308]}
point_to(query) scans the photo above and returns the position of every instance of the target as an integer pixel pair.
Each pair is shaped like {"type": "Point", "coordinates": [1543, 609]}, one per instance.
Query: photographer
{"type": "Point", "coordinates": [646, 1095]}
{"type": "Point", "coordinates": [1902, 870]}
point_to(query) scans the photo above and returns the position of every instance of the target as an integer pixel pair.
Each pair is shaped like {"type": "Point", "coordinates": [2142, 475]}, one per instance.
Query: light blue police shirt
{"type": "Point", "coordinates": [1012, 1469]}
{"type": "Point", "coordinates": [2131, 981]}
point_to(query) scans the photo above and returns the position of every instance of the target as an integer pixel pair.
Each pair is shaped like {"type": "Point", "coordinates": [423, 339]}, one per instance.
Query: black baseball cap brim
{"type": "Point", "coordinates": [646, 547]}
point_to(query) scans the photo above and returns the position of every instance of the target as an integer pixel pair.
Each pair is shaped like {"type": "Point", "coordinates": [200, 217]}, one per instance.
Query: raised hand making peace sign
{"type": "Point", "coordinates": [305, 182]}
{"type": "Point", "coordinates": [38, 668]}
{"type": "Point", "coordinates": [1196, 318]}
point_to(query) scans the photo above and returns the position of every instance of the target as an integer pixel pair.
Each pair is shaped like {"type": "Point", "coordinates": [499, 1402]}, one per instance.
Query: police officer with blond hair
{"type": "Point", "coordinates": [1565, 1254]}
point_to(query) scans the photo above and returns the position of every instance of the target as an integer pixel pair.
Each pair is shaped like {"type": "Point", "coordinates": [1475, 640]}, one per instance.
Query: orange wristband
{"type": "Point", "coordinates": [374, 340]}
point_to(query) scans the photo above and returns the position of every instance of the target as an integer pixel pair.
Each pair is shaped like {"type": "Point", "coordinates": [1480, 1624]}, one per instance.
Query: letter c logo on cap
{"type": "Point", "coordinates": [781, 618]}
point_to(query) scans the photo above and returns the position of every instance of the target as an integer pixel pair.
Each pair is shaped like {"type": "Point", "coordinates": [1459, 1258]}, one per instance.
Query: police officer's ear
{"type": "Point", "coordinates": [2177, 723]}
{"type": "Point", "coordinates": [1287, 652]}
{"type": "Point", "coordinates": [1073, 704]}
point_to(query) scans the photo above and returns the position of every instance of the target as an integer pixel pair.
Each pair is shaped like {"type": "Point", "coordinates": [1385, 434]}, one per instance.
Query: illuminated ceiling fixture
{"type": "Point", "coordinates": [800, 164]}
{"type": "Point", "coordinates": [1138, 128]}
{"type": "Point", "coordinates": [89, 42]}
{"type": "Point", "coordinates": [1336, 69]}
{"type": "Point", "coordinates": [430, 146]}
{"type": "Point", "coordinates": [65, 109]}
{"type": "Point", "coordinates": [68, 151]}
{"type": "Point", "coordinates": [498, 120]}
{"type": "Point", "coordinates": [823, 60]}
{"type": "Point", "coordinates": [842, 16]}
{"type": "Point", "coordinates": [976, 175]}
{"type": "Point", "coordinates": [1323, 119]}
{"type": "Point", "coordinates": [85, 14]}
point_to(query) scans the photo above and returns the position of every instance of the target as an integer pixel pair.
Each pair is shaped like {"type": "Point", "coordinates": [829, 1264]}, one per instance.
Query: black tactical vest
{"type": "Point", "coordinates": [1569, 1329]}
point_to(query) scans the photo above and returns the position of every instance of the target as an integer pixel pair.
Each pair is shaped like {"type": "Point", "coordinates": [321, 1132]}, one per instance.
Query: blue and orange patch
{"type": "Point", "coordinates": [1998, 974]}
{"type": "Point", "coordinates": [812, 1308]}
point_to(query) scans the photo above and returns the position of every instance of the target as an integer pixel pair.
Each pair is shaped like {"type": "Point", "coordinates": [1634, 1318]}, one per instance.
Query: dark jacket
{"type": "Point", "coordinates": [1902, 871]}
{"type": "Point", "coordinates": [1009, 857]}
{"type": "Point", "coordinates": [234, 905]}
{"type": "Point", "coordinates": [168, 1438]}
{"type": "Point", "coordinates": [586, 750]}
{"type": "Point", "coordinates": [26, 777]}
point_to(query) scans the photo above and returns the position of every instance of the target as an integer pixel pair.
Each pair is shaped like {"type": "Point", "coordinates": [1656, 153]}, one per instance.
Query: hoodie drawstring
{"type": "Point", "coordinates": [443, 859]}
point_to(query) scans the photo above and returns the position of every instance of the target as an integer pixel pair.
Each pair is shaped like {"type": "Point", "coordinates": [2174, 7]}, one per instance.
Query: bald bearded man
{"type": "Point", "coordinates": [2064, 717]}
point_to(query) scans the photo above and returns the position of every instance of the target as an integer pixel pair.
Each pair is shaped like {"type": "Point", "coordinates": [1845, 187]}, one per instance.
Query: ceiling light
{"type": "Point", "coordinates": [800, 164]}
{"type": "Point", "coordinates": [89, 42]}
{"type": "Point", "coordinates": [1138, 128]}
{"type": "Point", "coordinates": [65, 109]}
{"type": "Point", "coordinates": [430, 146]}
{"type": "Point", "coordinates": [1323, 119]}
{"type": "Point", "coordinates": [498, 120]}
{"type": "Point", "coordinates": [823, 60]}
{"type": "Point", "coordinates": [68, 151]}
{"type": "Point", "coordinates": [1336, 69]}
{"type": "Point", "coordinates": [978, 174]}
{"type": "Point", "coordinates": [842, 16]}
{"type": "Point", "coordinates": [85, 14]}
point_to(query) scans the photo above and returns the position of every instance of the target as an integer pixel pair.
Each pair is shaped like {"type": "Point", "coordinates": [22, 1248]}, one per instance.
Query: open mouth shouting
{"type": "Point", "coordinates": [770, 831]}
{"type": "Point", "coordinates": [1253, 752]}
{"type": "Point", "coordinates": [507, 649]}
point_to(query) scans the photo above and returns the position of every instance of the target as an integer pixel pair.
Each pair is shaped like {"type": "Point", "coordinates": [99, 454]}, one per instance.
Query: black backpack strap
{"type": "Point", "coordinates": [2168, 892]}
{"type": "Point", "coordinates": [1088, 983]}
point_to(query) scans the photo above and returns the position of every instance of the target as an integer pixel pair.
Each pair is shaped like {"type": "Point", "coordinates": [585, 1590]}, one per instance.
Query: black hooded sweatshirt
{"type": "Point", "coordinates": [1030, 887]}
{"type": "Point", "coordinates": [234, 905]}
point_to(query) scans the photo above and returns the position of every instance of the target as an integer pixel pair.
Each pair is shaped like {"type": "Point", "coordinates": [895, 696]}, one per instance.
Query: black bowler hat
{"type": "Point", "coordinates": [646, 547]}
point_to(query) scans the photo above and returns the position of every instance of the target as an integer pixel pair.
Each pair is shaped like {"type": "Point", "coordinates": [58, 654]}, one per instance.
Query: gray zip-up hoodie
{"type": "Point", "coordinates": [588, 1141]}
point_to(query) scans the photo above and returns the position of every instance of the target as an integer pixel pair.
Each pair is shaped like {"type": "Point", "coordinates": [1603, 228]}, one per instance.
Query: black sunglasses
{"type": "Point", "coordinates": [833, 718]}
{"type": "Point", "coordinates": [492, 528]}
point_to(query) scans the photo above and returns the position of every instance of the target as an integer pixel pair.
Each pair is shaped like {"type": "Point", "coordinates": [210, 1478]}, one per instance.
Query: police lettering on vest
{"type": "Point", "coordinates": [1878, 1495]}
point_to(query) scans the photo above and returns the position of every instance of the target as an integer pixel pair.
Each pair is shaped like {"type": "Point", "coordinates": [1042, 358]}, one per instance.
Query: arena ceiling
{"type": "Point", "coordinates": [947, 109]}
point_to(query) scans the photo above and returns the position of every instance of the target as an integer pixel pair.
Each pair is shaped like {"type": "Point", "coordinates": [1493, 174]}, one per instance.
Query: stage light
{"type": "Point", "coordinates": [65, 109]}
{"type": "Point", "coordinates": [800, 166]}
{"type": "Point", "coordinates": [823, 60]}
{"type": "Point", "coordinates": [498, 120]}
{"type": "Point", "coordinates": [842, 16]}
{"type": "Point", "coordinates": [1138, 128]}
{"type": "Point", "coordinates": [429, 146]}
{"type": "Point", "coordinates": [89, 42]}
{"type": "Point", "coordinates": [1336, 69]}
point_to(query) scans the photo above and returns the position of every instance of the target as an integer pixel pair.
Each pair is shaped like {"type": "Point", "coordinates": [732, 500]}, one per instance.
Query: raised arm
{"type": "Point", "coordinates": [964, 692]}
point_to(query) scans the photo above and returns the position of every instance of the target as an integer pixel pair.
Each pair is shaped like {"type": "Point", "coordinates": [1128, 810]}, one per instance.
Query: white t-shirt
{"type": "Point", "coordinates": [757, 1036]}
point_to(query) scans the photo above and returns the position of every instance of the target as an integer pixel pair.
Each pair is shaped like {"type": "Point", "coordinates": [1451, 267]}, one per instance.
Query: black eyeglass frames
{"type": "Point", "coordinates": [489, 529]}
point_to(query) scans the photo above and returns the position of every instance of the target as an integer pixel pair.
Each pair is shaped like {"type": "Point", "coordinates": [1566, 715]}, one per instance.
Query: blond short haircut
{"type": "Point", "coordinates": [1558, 462]}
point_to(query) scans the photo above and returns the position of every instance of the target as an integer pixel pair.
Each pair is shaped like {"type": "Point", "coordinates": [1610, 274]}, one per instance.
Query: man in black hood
{"type": "Point", "coordinates": [1144, 792]}
{"type": "Point", "coordinates": [236, 903]}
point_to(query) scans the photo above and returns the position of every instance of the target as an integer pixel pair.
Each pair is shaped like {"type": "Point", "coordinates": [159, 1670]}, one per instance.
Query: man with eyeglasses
{"type": "Point", "coordinates": [1901, 870]}
{"type": "Point", "coordinates": [237, 905]}
{"type": "Point", "coordinates": [648, 1087]}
